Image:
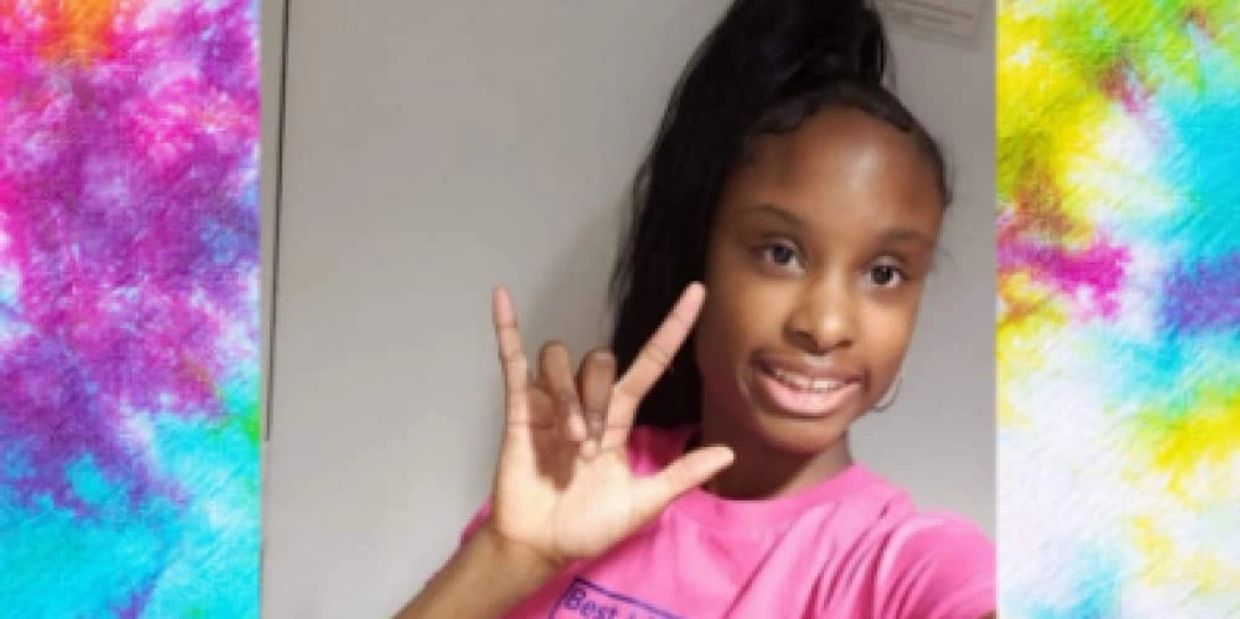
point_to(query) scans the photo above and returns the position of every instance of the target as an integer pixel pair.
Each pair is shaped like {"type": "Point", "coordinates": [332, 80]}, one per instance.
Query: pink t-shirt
{"type": "Point", "coordinates": [854, 546]}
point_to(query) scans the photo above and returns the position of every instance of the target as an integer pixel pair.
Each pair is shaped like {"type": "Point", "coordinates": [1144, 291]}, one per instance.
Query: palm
{"type": "Point", "coordinates": [573, 508]}
{"type": "Point", "coordinates": [566, 490]}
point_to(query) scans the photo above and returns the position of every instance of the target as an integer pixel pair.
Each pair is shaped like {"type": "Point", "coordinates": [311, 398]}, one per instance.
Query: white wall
{"type": "Point", "coordinates": [938, 440]}
{"type": "Point", "coordinates": [435, 148]}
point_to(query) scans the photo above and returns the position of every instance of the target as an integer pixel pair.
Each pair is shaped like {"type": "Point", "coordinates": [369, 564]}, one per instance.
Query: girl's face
{"type": "Point", "coordinates": [815, 268]}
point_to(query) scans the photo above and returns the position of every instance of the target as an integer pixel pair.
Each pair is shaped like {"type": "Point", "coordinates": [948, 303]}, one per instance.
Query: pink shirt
{"type": "Point", "coordinates": [854, 546]}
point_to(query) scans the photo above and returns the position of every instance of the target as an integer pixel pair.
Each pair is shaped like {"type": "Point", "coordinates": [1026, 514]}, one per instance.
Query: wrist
{"type": "Point", "coordinates": [488, 576]}
{"type": "Point", "coordinates": [516, 557]}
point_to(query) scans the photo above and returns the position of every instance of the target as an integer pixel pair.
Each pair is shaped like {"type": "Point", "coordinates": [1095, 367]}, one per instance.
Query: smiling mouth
{"type": "Point", "coordinates": [804, 383]}
{"type": "Point", "coordinates": [800, 395]}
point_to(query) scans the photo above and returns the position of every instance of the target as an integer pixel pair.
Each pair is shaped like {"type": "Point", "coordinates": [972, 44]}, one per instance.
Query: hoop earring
{"type": "Point", "coordinates": [894, 393]}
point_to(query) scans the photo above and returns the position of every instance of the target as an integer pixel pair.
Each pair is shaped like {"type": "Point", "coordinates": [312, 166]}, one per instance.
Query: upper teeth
{"type": "Point", "coordinates": [805, 382]}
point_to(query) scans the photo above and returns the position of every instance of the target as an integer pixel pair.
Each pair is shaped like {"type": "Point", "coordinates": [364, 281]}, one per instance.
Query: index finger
{"type": "Point", "coordinates": [508, 338]}
{"type": "Point", "coordinates": [656, 356]}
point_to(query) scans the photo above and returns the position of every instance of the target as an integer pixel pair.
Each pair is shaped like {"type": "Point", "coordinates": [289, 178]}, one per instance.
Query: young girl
{"type": "Point", "coordinates": [787, 217]}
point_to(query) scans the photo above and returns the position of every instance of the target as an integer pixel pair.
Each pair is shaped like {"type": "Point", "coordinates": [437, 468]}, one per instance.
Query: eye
{"type": "Point", "coordinates": [781, 255]}
{"type": "Point", "coordinates": [886, 275]}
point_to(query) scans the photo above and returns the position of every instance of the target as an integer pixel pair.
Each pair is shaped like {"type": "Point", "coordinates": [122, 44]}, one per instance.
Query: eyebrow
{"type": "Point", "coordinates": [907, 235]}
{"type": "Point", "coordinates": [771, 209]}
{"type": "Point", "coordinates": [893, 236]}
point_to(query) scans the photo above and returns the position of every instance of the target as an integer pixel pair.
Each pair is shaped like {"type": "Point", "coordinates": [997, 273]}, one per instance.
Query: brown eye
{"type": "Point", "coordinates": [780, 255]}
{"type": "Point", "coordinates": [885, 275]}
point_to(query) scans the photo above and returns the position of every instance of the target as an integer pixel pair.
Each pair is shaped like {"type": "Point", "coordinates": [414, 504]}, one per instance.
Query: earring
{"type": "Point", "coordinates": [894, 392]}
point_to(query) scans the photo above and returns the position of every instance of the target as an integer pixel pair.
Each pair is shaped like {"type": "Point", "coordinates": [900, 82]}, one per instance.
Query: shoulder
{"type": "Point", "coordinates": [936, 565]}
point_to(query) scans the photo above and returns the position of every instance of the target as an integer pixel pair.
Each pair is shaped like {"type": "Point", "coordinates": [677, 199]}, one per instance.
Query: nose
{"type": "Point", "coordinates": [824, 318]}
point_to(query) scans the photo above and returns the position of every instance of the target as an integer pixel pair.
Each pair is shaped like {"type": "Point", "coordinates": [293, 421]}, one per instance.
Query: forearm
{"type": "Point", "coordinates": [485, 578]}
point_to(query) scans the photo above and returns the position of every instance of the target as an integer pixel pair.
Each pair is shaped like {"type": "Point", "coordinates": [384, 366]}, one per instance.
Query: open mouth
{"type": "Point", "coordinates": [802, 395]}
{"type": "Point", "coordinates": [803, 383]}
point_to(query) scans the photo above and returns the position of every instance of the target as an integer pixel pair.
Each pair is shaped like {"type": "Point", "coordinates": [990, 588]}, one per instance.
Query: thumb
{"type": "Point", "coordinates": [688, 471]}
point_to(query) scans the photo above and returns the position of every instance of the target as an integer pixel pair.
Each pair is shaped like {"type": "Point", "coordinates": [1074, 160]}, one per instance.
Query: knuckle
{"type": "Point", "coordinates": [602, 356]}
{"type": "Point", "coordinates": [658, 354]}
{"type": "Point", "coordinates": [624, 399]}
{"type": "Point", "coordinates": [596, 403]}
{"type": "Point", "coordinates": [679, 320]}
{"type": "Point", "coordinates": [551, 347]}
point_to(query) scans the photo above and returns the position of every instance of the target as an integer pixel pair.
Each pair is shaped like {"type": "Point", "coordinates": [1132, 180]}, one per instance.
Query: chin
{"type": "Point", "coordinates": [799, 436]}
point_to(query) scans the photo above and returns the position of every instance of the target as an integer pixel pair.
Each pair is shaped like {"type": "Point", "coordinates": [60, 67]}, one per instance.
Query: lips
{"type": "Point", "coordinates": [805, 390]}
{"type": "Point", "coordinates": [804, 382]}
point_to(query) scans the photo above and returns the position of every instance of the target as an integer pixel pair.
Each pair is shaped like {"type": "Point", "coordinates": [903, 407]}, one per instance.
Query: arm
{"type": "Point", "coordinates": [486, 577]}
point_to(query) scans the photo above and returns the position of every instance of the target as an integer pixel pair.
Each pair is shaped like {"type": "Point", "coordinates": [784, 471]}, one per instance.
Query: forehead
{"type": "Point", "coordinates": [838, 158]}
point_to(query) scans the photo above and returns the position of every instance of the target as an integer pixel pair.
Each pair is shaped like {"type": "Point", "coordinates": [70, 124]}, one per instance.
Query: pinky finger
{"type": "Point", "coordinates": [512, 359]}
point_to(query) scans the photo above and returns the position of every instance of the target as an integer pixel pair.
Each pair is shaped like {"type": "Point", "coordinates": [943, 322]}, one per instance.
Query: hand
{"type": "Point", "coordinates": [563, 486]}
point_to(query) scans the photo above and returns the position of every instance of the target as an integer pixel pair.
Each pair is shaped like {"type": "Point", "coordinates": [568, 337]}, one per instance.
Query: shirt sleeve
{"type": "Point", "coordinates": [936, 567]}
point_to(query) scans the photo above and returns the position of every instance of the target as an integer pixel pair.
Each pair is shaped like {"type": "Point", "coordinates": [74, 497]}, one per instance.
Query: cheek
{"type": "Point", "coordinates": [889, 330]}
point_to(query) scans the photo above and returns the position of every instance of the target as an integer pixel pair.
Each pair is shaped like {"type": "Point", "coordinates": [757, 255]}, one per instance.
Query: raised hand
{"type": "Point", "coordinates": [563, 486]}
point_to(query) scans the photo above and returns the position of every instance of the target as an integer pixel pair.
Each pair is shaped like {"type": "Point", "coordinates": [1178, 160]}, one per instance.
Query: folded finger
{"type": "Point", "coordinates": [595, 380]}
{"type": "Point", "coordinates": [556, 373]}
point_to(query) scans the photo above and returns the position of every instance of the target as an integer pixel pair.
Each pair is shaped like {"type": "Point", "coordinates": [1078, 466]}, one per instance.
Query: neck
{"type": "Point", "coordinates": [762, 470]}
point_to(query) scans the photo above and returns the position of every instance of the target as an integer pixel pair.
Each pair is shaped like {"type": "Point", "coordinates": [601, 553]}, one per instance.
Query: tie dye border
{"type": "Point", "coordinates": [1118, 335]}
{"type": "Point", "coordinates": [129, 276]}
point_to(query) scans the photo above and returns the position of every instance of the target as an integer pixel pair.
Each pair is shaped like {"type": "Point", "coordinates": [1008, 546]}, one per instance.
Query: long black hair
{"type": "Point", "coordinates": [765, 67]}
